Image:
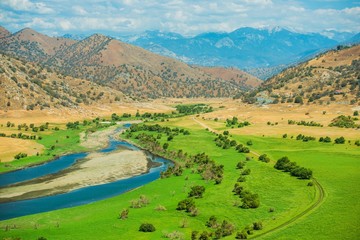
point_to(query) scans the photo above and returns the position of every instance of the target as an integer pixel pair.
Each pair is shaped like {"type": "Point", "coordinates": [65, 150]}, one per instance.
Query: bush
{"type": "Point", "coordinates": [343, 122]}
{"type": "Point", "coordinates": [124, 214]}
{"type": "Point", "coordinates": [240, 165]}
{"type": "Point", "coordinates": [196, 191]}
{"type": "Point", "coordinates": [257, 226]}
{"type": "Point", "coordinates": [246, 172]}
{"type": "Point", "coordinates": [264, 158]}
{"type": "Point", "coordinates": [187, 204]}
{"type": "Point", "coordinates": [340, 140]}
{"type": "Point", "coordinates": [241, 235]}
{"type": "Point", "coordinates": [20, 155]}
{"type": "Point", "coordinates": [147, 227]}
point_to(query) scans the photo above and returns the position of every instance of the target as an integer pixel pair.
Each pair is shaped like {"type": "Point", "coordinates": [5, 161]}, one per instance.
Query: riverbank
{"type": "Point", "coordinates": [96, 168]}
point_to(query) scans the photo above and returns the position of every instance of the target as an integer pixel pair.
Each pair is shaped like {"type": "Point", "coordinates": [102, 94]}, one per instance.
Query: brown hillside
{"type": "Point", "coordinates": [27, 86]}
{"type": "Point", "coordinates": [138, 72]}
{"type": "Point", "coordinates": [121, 66]}
{"type": "Point", "coordinates": [4, 32]}
{"type": "Point", "coordinates": [33, 46]}
{"type": "Point", "coordinates": [332, 77]}
{"type": "Point", "coordinates": [233, 74]}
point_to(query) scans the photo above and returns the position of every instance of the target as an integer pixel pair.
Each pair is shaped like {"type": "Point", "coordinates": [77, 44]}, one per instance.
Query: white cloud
{"type": "Point", "coordinates": [78, 10]}
{"type": "Point", "coordinates": [27, 5]}
{"type": "Point", "coordinates": [39, 22]}
{"type": "Point", "coordinates": [183, 16]}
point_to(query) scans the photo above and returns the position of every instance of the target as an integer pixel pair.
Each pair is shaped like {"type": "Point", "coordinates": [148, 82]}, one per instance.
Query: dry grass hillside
{"type": "Point", "coordinates": [32, 46]}
{"type": "Point", "coordinates": [332, 77]}
{"type": "Point", "coordinates": [25, 85]}
{"type": "Point", "coordinates": [140, 73]}
{"type": "Point", "coordinates": [124, 67]}
{"type": "Point", "coordinates": [233, 75]}
{"type": "Point", "coordinates": [4, 32]}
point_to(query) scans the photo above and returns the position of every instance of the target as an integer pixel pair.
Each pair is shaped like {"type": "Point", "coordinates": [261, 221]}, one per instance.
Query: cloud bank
{"type": "Point", "coordinates": [186, 17]}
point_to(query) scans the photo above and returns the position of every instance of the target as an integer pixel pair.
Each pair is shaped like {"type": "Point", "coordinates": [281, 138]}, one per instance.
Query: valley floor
{"type": "Point", "coordinates": [302, 211]}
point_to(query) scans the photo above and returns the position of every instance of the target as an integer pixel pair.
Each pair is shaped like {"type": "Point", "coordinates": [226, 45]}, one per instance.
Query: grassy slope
{"type": "Point", "coordinates": [337, 168]}
{"type": "Point", "coordinates": [49, 138]}
{"type": "Point", "coordinates": [99, 220]}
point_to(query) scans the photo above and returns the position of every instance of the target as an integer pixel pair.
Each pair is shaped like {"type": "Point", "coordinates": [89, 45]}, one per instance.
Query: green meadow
{"type": "Point", "coordinates": [56, 143]}
{"type": "Point", "coordinates": [336, 167]}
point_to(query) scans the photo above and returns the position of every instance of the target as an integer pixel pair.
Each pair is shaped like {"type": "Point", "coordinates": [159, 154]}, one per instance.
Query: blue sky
{"type": "Point", "coordinates": [187, 17]}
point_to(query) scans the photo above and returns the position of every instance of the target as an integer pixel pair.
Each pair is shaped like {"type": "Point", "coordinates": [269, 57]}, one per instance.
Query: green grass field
{"type": "Point", "coordinates": [64, 141]}
{"type": "Point", "coordinates": [336, 167]}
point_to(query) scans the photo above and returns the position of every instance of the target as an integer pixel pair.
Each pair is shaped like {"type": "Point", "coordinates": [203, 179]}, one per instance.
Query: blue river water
{"type": "Point", "coordinates": [77, 197]}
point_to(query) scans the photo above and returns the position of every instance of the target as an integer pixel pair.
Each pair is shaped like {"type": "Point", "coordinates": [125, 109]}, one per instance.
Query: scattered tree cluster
{"type": "Point", "coordinates": [305, 138]}
{"type": "Point", "coordinates": [193, 109]}
{"type": "Point", "coordinates": [249, 200]}
{"type": "Point", "coordinates": [344, 122]}
{"type": "Point", "coordinates": [325, 139]}
{"type": "Point", "coordinates": [20, 155]}
{"type": "Point", "coordinates": [264, 158]}
{"type": "Point", "coordinates": [304, 123]}
{"type": "Point", "coordinates": [234, 122]}
{"type": "Point", "coordinates": [286, 165]}
{"type": "Point", "coordinates": [188, 205]}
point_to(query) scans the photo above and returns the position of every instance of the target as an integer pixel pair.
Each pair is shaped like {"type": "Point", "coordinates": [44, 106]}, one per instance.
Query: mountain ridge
{"type": "Point", "coordinates": [128, 68]}
{"type": "Point", "coordinates": [239, 48]}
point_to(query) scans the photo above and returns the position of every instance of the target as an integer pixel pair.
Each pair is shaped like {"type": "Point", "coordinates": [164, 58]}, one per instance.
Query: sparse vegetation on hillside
{"type": "Point", "coordinates": [329, 78]}
{"type": "Point", "coordinates": [28, 86]}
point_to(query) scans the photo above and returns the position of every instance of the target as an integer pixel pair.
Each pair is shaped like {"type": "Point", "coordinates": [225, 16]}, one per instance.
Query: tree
{"type": "Point", "coordinates": [165, 146]}
{"type": "Point", "coordinates": [124, 214]}
{"type": "Point", "coordinates": [187, 204]}
{"type": "Point", "coordinates": [196, 191]}
{"type": "Point", "coordinates": [340, 140]}
{"type": "Point", "coordinates": [212, 222]}
{"type": "Point", "coordinates": [147, 227]}
{"type": "Point", "coordinates": [356, 113]}
{"type": "Point", "coordinates": [298, 99]}
{"type": "Point", "coordinates": [257, 225]}
{"type": "Point", "coordinates": [240, 165]}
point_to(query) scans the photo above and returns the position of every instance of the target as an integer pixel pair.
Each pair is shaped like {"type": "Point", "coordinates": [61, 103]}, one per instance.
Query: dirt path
{"type": "Point", "coordinates": [317, 203]}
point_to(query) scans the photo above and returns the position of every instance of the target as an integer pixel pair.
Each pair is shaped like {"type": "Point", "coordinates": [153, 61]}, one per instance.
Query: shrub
{"type": "Point", "coordinates": [250, 200]}
{"type": "Point", "coordinates": [187, 204]}
{"type": "Point", "coordinates": [20, 155]}
{"type": "Point", "coordinates": [241, 235]}
{"type": "Point", "coordinates": [343, 122]}
{"type": "Point", "coordinates": [147, 227]}
{"type": "Point", "coordinates": [124, 214]}
{"type": "Point", "coordinates": [160, 208]}
{"type": "Point", "coordinates": [196, 191]}
{"type": "Point", "coordinates": [264, 158]}
{"type": "Point", "coordinates": [241, 179]}
{"type": "Point", "coordinates": [340, 140]}
{"type": "Point", "coordinates": [240, 165]}
{"type": "Point", "coordinates": [212, 222]}
{"type": "Point", "coordinates": [257, 226]}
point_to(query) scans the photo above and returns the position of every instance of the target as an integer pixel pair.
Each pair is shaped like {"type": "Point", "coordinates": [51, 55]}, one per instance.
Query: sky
{"type": "Point", "coordinates": [187, 17]}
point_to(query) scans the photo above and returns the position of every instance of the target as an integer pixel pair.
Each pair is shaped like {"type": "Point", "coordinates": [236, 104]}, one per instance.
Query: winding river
{"type": "Point", "coordinates": [77, 197]}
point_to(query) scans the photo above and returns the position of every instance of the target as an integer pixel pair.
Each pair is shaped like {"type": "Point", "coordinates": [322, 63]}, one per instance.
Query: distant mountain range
{"type": "Point", "coordinates": [269, 50]}
{"type": "Point", "coordinates": [132, 70]}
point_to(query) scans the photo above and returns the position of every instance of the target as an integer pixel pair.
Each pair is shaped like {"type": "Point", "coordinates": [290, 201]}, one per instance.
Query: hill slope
{"type": "Point", "coordinates": [25, 85]}
{"type": "Point", "coordinates": [130, 69]}
{"type": "Point", "coordinates": [32, 46]}
{"type": "Point", "coordinates": [330, 77]}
